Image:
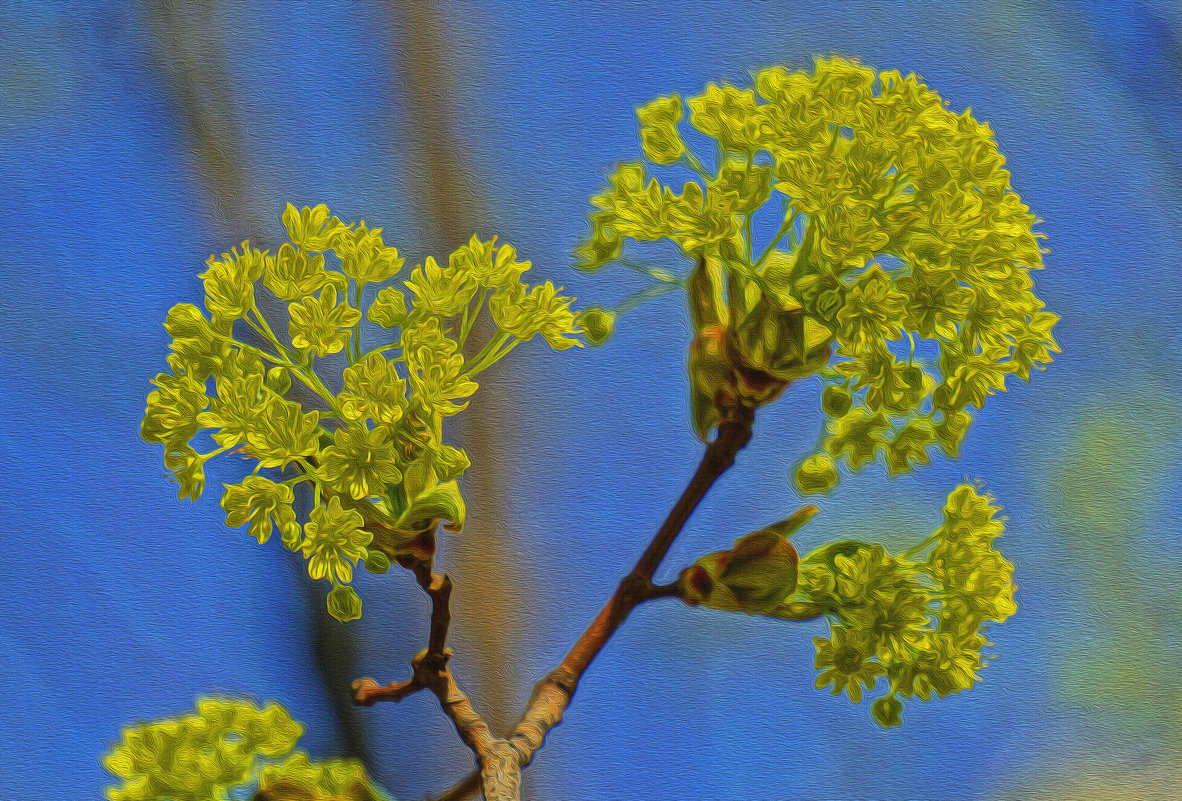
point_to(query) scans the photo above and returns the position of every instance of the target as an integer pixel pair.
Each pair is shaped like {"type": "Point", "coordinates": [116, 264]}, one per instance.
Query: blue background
{"type": "Point", "coordinates": [121, 603]}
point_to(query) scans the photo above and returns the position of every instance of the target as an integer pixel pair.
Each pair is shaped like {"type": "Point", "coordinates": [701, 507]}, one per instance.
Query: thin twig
{"type": "Point", "coordinates": [432, 671]}
{"type": "Point", "coordinates": [367, 692]}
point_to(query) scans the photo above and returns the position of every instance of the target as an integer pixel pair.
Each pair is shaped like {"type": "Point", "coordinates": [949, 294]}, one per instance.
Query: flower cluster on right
{"type": "Point", "coordinates": [920, 622]}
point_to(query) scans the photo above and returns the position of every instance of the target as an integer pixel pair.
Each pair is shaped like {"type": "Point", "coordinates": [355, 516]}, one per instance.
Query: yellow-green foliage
{"type": "Point", "coordinates": [900, 270]}
{"type": "Point", "coordinates": [225, 747]}
{"type": "Point", "coordinates": [371, 455]}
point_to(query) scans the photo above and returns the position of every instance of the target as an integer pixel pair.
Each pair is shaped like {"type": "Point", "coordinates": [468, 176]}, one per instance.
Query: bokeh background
{"type": "Point", "coordinates": [136, 140]}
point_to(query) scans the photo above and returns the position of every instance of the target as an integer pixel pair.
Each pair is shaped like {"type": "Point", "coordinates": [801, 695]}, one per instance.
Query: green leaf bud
{"type": "Point", "coordinates": [761, 571]}
{"type": "Point", "coordinates": [756, 576]}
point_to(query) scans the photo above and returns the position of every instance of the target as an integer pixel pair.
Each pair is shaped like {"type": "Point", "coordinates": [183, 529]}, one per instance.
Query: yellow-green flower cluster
{"type": "Point", "coordinates": [200, 756]}
{"type": "Point", "coordinates": [371, 455]}
{"type": "Point", "coordinates": [900, 270]}
{"type": "Point", "coordinates": [223, 749]}
{"type": "Point", "coordinates": [920, 625]}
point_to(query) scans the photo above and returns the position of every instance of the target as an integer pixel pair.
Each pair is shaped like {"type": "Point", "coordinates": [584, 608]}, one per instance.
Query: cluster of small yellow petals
{"type": "Point", "coordinates": [902, 239]}
{"type": "Point", "coordinates": [226, 748]}
{"type": "Point", "coordinates": [920, 625]}
{"type": "Point", "coordinates": [372, 451]}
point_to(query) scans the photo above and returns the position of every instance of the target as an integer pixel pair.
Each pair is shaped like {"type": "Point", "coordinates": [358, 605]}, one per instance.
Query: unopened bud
{"type": "Point", "coordinates": [598, 324]}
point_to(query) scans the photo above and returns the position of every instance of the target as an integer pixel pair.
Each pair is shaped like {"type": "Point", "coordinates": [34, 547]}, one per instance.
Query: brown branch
{"type": "Point", "coordinates": [553, 693]}
{"type": "Point", "coordinates": [438, 586]}
{"type": "Point", "coordinates": [430, 671]}
{"type": "Point", "coordinates": [500, 760]}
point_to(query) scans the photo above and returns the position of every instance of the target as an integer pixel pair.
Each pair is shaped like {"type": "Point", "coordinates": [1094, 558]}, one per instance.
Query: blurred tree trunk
{"type": "Point", "coordinates": [483, 560]}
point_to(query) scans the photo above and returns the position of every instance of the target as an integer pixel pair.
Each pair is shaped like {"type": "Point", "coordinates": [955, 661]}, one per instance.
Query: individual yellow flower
{"type": "Point", "coordinates": [312, 229]}
{"type": "Point", "coordinates": [896, 624]}
{"type": "Point", "coordinates": [229, 283]}
{"type": "Point", "coordinates": [373, 389]}
{"type": "Point", "coordinates": [283, 433]}
{"type": "Point", "coordinates": [729, 115]}
{"type": "Point", "coordinates": [436, 368]}
{"type": "Point", "coordinates": [320, 324]}
{"type": "Point", "coordinates": [541, 310]}
{"type": "Point", "coordinates": [388, 309]}
{"type": "Point", "coordinates": [658, 129]}
{"type": "Point", "coordinates": [198, 349]}
{"type": "Point", "coordinates": [846, 662]}
{"type": "Point", "coordinates": [238, 408]}
{"type": "Point", "coordinates": [294, 274]}
{"type": "Point", "coordinates": [333, 541]}
{"type": "Point", "coordinates": [441, 291]}
{"type": "Point", "coordinates": [261, 502]}
{"type": "Point", "coordinates": [490, 266]}
{"type": "Point", "coordinates": [173, 408]}
{"type": "Point", "coordinates": [365, 257]}
{"type": "Point", "coordinates": [360, 462]}
{"type": "Point", "coordinates": [187, 468]}
{"type": "Point", "coordinates": [869, 575]}
{"type": "Point", "coordinates": [858, 436]}
{"type": "Point", "coordinates": [970, 516]}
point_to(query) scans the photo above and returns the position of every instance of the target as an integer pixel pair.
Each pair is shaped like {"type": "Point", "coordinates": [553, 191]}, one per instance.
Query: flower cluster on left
{"type": "Point", "coordinates": [224, 747]}
{"type": "Point", "coordinates": [356, 430]}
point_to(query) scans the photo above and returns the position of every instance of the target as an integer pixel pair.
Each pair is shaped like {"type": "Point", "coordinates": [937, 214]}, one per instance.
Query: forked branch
{"type": "Point", "coordinates": [501, 764]}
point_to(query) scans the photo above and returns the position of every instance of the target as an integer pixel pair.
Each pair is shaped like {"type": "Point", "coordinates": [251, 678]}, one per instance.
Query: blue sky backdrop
{"type": "Point", "coordinates": [122, 603]}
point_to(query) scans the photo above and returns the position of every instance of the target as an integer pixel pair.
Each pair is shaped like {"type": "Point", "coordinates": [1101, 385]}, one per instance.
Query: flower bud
{"type": "Point", "coordinates": [887, 711]}
{"type": "Point", "coordinates": [836, 401]}
{"type": "Point", "coordinates": [598, 324]}
{"type": "Point", "coordinates": [278, 380]}
{"type": "Point", "coordinates": [343, 603]}
{"type": "Point", "coordinates": [377, 562]}
{"type": "Point", "coordinates": [816, 474]}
